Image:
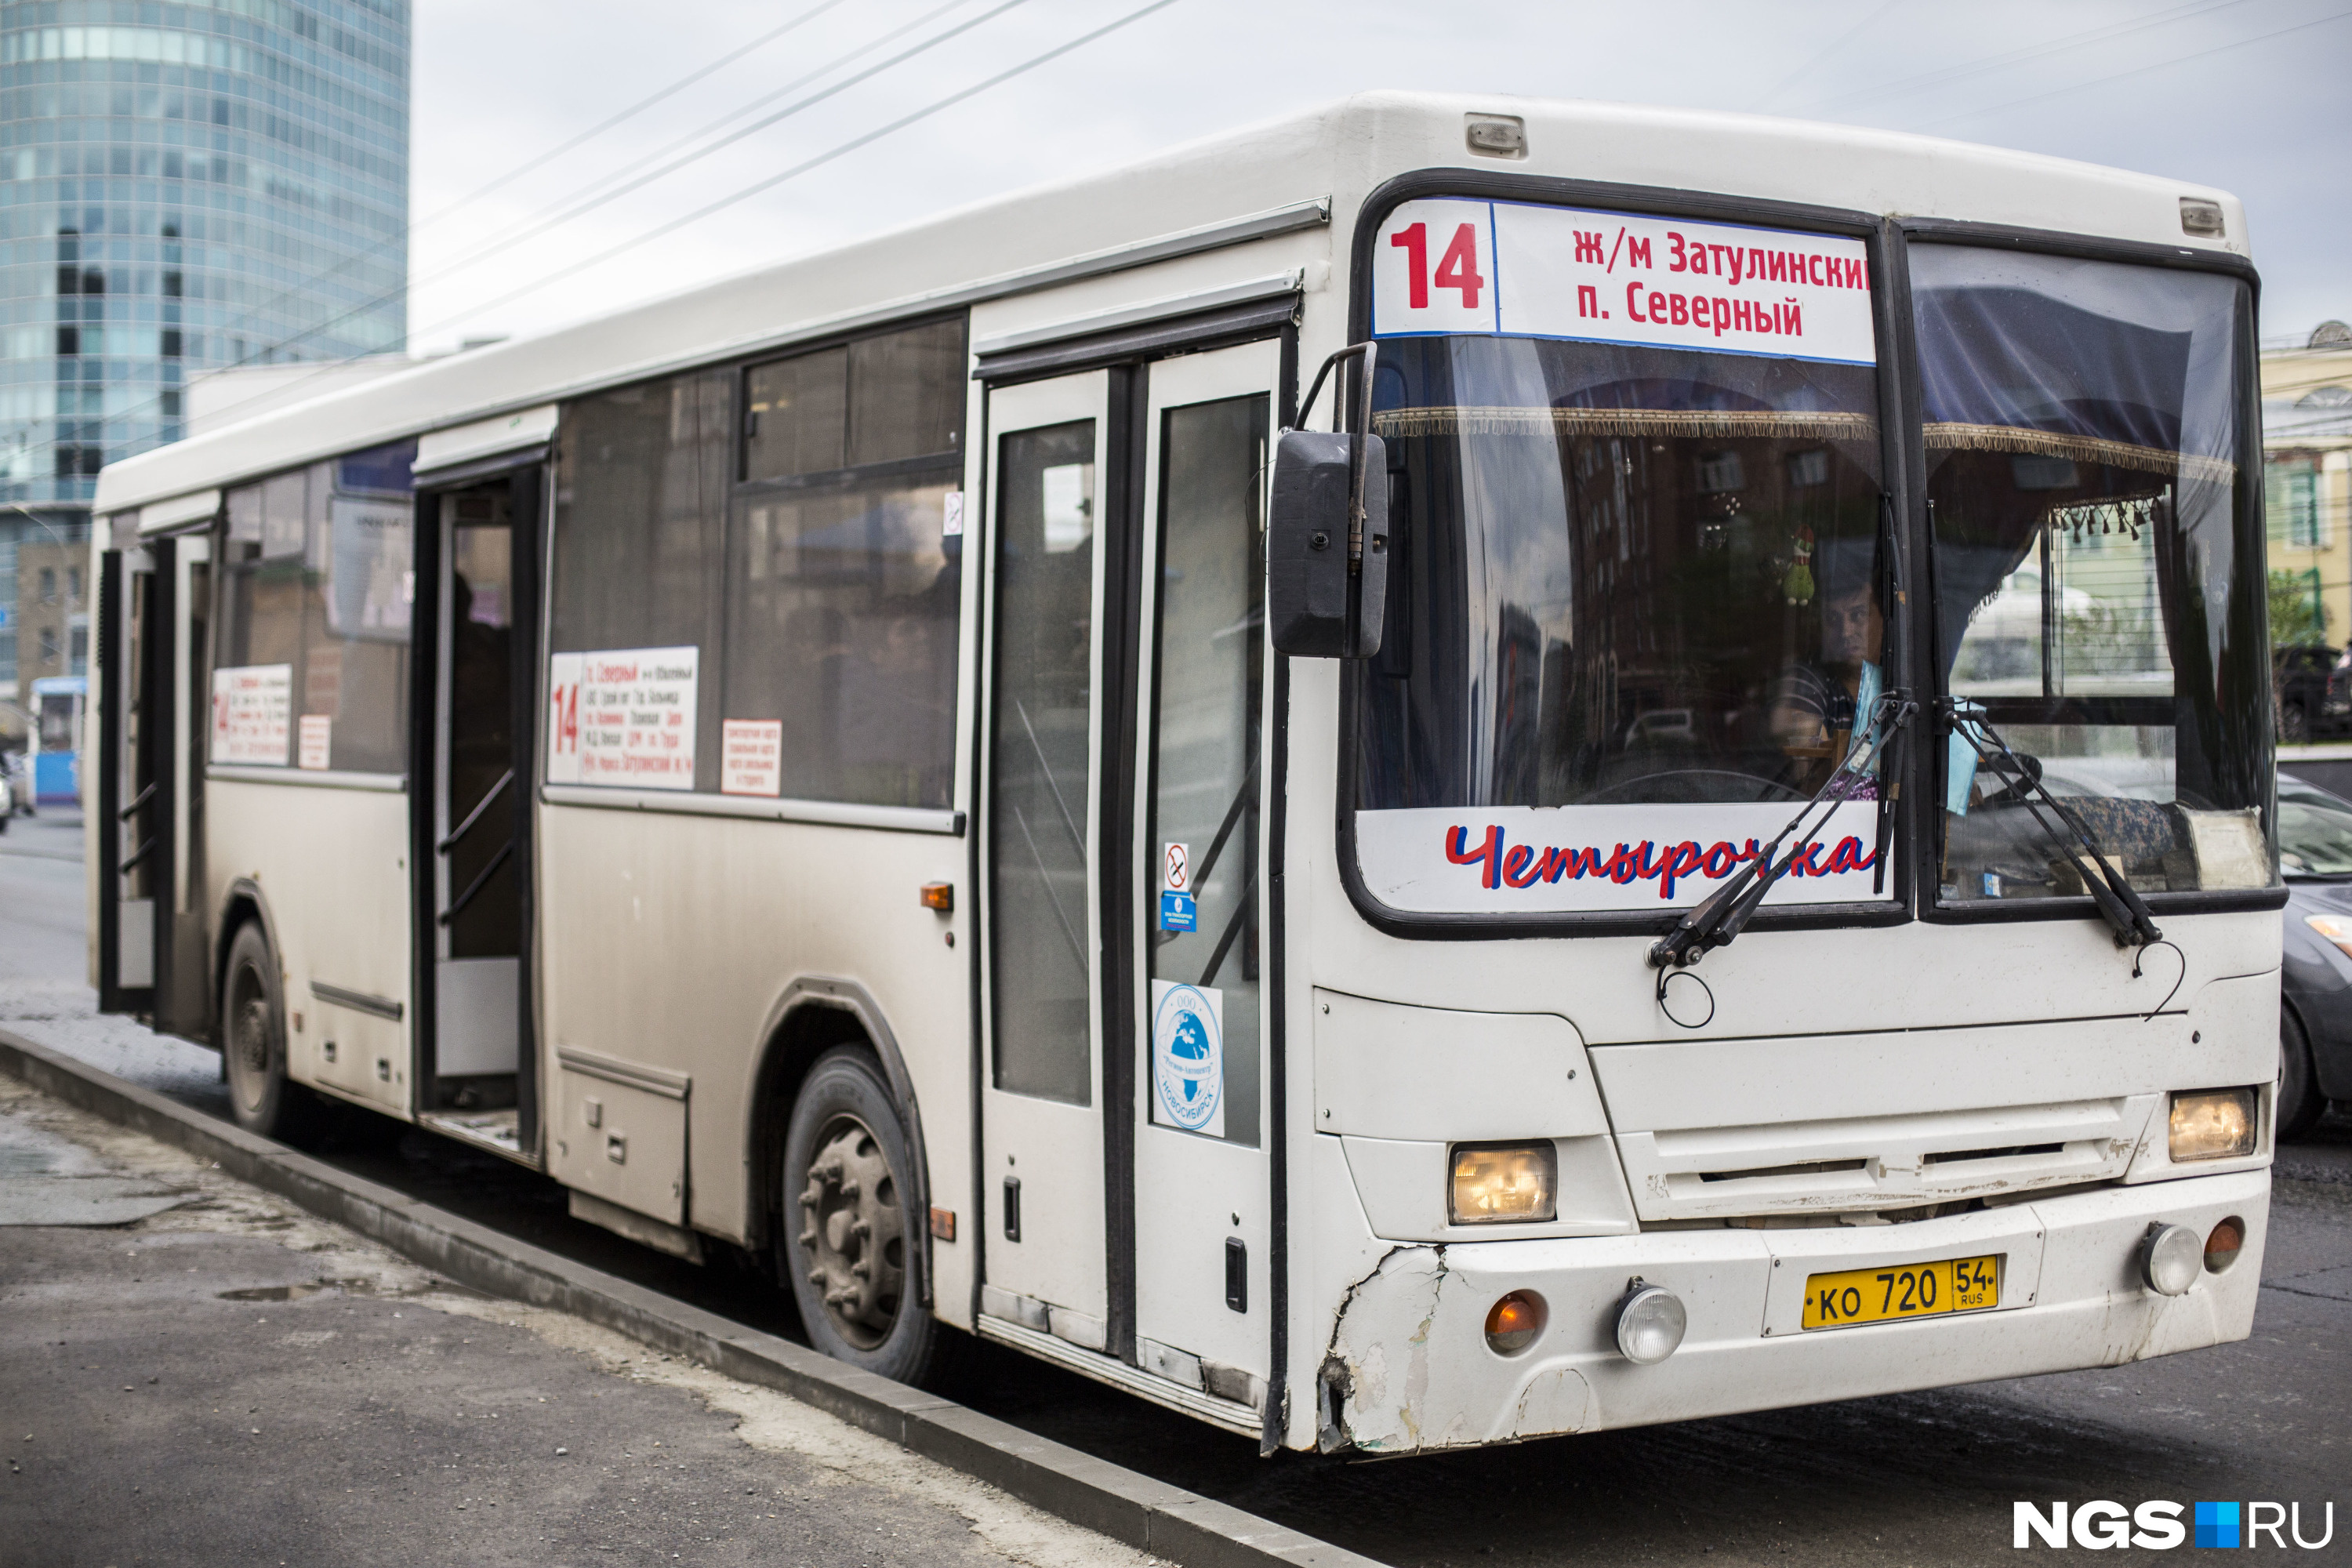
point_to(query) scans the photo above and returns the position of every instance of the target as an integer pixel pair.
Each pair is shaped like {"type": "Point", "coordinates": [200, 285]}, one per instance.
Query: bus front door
{"type": "Point", "coordinates": [474, 1074]}
{"type": "Point", "coordinates": [154, 675]}
{"type": "Point", "coordinates": [1197, 901]}
{"type": "Point", "coordinates": [1124, 1109]}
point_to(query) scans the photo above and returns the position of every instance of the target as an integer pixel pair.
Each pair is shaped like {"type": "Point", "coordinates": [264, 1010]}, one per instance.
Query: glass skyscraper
{"type": "Point", "coordinates": [182, 188]}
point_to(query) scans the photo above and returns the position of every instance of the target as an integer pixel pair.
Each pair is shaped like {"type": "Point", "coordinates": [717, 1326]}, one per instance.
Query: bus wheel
{"type": "Point", "coordinates": [253, 1038]}
{"type": "Point", "coordinates": [848, 1224]}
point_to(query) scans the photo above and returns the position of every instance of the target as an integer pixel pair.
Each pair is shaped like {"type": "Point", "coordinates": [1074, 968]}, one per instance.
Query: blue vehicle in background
{"type": "Point", "coordinates": [55, 754]}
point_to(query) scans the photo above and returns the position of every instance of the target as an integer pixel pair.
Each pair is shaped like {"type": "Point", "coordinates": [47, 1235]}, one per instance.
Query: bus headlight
{"type": "Point", "coordinates": [2211, 1124]}
{"type": "Point", "coordinates": [1496, 1184]}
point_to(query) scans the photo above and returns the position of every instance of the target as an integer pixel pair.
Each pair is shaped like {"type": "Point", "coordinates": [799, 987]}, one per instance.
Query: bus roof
{"type": "Point", "coordinates": [1307, 168]}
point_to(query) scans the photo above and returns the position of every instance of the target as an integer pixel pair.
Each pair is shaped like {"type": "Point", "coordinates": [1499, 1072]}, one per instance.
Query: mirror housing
{"type": "Point", "coordinates": [1319, 604]}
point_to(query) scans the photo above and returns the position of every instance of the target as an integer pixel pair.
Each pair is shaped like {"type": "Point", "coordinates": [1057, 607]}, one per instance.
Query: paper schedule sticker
{"type": "Point", "coordinates": [623, 717]}
{"type": "Point", "coordinates": [315, 741]}
{"type": "Point", "coordinates": [750, 757]}
{"type": "Point", "coordinates": [253, 708]}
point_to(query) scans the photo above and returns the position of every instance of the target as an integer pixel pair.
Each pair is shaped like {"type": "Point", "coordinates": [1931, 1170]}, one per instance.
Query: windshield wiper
{"type": "Point", "coordinates": [2119, 903]}
{"type": "Point", "coordinates": [1726, 912]}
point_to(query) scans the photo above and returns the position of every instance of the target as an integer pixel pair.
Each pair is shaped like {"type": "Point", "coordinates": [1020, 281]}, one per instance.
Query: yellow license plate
{"type": "Point", "coordinates": [1902, 1290]}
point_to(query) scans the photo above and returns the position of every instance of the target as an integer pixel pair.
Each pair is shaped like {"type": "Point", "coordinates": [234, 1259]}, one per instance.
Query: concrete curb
{"type": "Point", "coordinates": [1165, 1520]}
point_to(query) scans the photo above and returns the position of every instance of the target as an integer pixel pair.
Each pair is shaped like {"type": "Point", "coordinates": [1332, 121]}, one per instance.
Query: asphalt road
{"type": "Point", "coordinates": [195, 1372]}
{"type": "Point", "coordinates": [1926, 1478]}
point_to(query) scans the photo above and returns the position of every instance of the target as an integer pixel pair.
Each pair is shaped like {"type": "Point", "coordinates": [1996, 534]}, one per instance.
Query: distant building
{"type": "Point", "coordinates": [2308, 468]}
{"type": "Point", "coordinates": [182, 188]}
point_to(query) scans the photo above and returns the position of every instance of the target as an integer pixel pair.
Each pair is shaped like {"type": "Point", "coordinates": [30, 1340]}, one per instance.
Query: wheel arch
{"type": "Point", "coordinates": [242, 900]}
{"type": "Point", "coordinates": [811, 1016]}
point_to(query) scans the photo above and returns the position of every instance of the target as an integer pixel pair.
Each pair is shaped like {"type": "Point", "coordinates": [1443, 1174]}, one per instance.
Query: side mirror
{"type": "Point", "coordinates": [1326, 539]}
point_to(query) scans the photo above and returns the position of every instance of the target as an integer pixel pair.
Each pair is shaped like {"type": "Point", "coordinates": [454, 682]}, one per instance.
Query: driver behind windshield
{"type": "Point", "coordinates": [1815, 703]}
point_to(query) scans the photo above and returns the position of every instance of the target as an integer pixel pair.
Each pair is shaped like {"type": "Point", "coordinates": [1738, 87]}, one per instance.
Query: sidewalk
{"type": "Point", "coordinates": [198, 1372]}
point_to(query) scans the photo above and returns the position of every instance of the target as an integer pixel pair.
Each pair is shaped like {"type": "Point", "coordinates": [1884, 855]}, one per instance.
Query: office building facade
{"type": "Point", "coordinates": [182, 188]}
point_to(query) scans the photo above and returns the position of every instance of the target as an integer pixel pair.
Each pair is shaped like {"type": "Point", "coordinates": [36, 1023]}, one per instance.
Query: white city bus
{"type": "Point", "coordinates": [995, 768]}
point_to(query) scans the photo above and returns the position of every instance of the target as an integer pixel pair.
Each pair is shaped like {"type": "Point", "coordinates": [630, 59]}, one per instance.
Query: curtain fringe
{"type": "Point", "coordinates": [1950, 436]}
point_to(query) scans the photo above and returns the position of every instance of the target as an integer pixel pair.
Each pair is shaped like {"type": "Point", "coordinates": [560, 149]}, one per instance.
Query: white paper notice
{"type": "Point", "coordinates": [1521, 859]}
{"type": "Point", "coordinates": [1523, 270]}
{"type": "Point", "coordinates": [253, 707]}
{"type": "Point", "coordinates": [315, 741]}
{"type": "Point", "coordinates": [752, 756]}
{"type": "Point", "coordinates": [951, 516]}
{"type": "Point", "coordinates": [622, 717]}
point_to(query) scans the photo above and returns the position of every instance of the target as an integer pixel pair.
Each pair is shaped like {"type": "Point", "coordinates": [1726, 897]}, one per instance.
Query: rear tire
{"type": "Point", "coordinates": [253, 1043]}
{"type": "Point", "coordinates": [2300, 1103]}
{"type": "Point", "coordinates": [2294, 724]}
{"type": "Point", "coordinates": [847, 1229]}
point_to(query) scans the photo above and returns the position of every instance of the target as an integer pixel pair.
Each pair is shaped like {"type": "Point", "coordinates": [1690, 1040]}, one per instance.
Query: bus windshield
{"type": "Point", "coordinates": [2088, 505]}
{"type": "Point", "coordinates": [1638, 601]}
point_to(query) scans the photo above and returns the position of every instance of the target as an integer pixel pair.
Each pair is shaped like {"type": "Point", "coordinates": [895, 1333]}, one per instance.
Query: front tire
{"type": "Point", "coordinates": [847, 1226]}
{"type": "Point", "coordinates": [2300, 1103]}
{"type": "Point", "coordinates": [253, 1042]}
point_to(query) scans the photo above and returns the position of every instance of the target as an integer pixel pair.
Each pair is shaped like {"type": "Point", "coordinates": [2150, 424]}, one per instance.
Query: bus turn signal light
{"type": "Point", "coordinates": [939, 896]}
{"type": "Point", "coordinates": [1495, 1183]}
{"type": "Point", "coordinates": [1513, 1322]}
{"type": "Point", "coordinates": [2211, 1124]}
{"type": "Point", "coordinates": [2223, 1243]}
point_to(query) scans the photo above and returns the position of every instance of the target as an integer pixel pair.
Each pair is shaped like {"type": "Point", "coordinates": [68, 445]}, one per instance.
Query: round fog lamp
{"type": "Point", "coordinates": [2170, 1259]}
{"type": "Point", "coordinates": [1650, 1323]}
{"type": "Point", "coordinates": [2222, 1243]}
{"type": "Point", "coordinates": [1513, 1322]}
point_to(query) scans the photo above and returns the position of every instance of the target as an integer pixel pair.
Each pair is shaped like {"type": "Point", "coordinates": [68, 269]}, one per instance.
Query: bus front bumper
{"type": "Point", "coordinates": [1408, 1368]}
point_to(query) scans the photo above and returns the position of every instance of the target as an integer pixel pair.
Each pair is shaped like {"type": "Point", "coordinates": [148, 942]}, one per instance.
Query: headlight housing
{"type": "Point", "coordinates": [2332, 928]}
{"type": "Point", "coordinates": [1503, 1183]}
{"type": "Point", "coordinates": [2211, 1124]}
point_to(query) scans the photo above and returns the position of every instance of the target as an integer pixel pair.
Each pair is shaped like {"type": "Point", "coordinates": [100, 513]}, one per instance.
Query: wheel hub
{"type": "Point", "coordinates": [853, 1236]}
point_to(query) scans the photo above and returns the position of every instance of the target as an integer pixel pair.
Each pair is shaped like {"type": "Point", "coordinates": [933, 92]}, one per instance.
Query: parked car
{"type": "Point", "coordinates": [2310, 689]}
{"type": "Point", "coordinates": [2315, 977]}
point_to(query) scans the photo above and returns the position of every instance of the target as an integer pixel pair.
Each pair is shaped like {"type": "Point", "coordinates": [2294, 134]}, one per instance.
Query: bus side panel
{"type": "Point", "coordinates": [668, 939]}
{"type": "Point", "coordinates": [331, 863]}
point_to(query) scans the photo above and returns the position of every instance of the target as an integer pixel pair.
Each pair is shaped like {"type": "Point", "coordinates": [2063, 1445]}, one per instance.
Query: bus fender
{"type": "Point", "coordinates": [777, 1075]}
{"type": "Point", "coordinates": [245, 891]}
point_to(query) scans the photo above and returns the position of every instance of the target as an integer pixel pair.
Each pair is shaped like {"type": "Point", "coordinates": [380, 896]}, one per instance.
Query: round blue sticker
{"type": "Point", "coordinates": [1188, 1058]}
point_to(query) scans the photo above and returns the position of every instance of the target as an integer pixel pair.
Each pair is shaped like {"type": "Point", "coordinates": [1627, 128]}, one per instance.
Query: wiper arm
{"type": "Point", "coordinates": [1726, 912]}
{"type": "Point", "coordinates": [2119, 902]}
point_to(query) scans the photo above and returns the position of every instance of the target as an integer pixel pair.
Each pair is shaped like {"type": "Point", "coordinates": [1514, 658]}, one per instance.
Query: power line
{"type": "Point", "coordinates": [743, 194]}
{"type": "Point", "coordinates": [610, 176]}
{"type": "Point", "coordinates": [2139, 70]}
{"type": "Point", "coordinates": [274, 345]}
{"type": "Point", "coordinates": [681, 85]}
{"type": "Point", "coordinates": [729, 58]}
{"type": "Point", "coordinates": [1808, 68]}
{"type": "Point", "coordinates": [732, 137]}
{"type": "Point", "coordinates": [2037, 51]}
{"type": "Point", "coordinates": [802, 168]}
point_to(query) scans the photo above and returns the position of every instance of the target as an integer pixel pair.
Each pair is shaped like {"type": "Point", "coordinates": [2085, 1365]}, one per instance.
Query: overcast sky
{"type": "Point", "coordinates": [2250, 95]}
